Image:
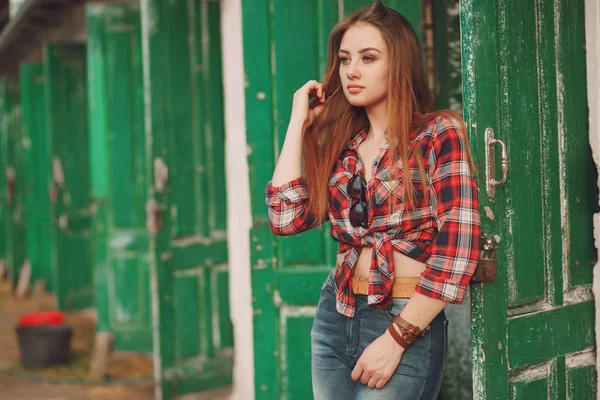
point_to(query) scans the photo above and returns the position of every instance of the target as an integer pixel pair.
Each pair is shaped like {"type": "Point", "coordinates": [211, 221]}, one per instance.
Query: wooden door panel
{"type": "Point", "coordinates": [66, 102]}
{"type": "Point", "coordinates": [120, 174]}
{"type": "Point", "coordinates": [533, 328]}
{"type": "Point", "coordinates": [4, 214]}
{"type": "Point", "coordinates": [542, 381]}
{"type": "Point", "coordinates": [294, 68]}
{"type": "Point", "coordinates": [190, 271]}
{"type": "Point", "coordinates": [128, 301]}
{"type": "Point", "coordinates": [308, 248]}
{"type": "Point", "coordinates": [38, 161]}
{"type": "Point", "coordinates": [536, 338]}
{"type": "Point", "coordinates": [15, 180]}
{"type": "Point", "coordinates": [295, 327]}
{"type": "Point", "coordinates": [3, 206]}
{"type": "Point", "coordinates": [578, 165]}
{"type": "Point", "coordinates": [581, 376]}
{"type": "Point", "coordinates": [286, 272]}
{"type": "Point", "coordinates": [221, 321]}
{"type": "Point", "coordinates": [520, 121]}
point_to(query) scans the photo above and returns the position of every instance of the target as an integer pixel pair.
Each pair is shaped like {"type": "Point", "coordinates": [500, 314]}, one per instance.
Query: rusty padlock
{"type": "Point", "coordinates": [488, 265]}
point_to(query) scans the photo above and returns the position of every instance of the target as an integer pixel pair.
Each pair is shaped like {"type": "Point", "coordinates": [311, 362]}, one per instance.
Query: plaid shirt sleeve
{"type": "Point", "coordinates": [455, 249]}
{"type": "Point", "coordinates": [287, 208]}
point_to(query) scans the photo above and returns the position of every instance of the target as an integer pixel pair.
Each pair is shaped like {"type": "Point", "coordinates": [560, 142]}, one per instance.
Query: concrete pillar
{"type": "Point", "coordinates": [238, 199]}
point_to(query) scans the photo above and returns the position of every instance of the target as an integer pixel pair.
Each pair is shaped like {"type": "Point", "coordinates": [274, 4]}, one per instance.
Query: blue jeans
{"type": "Point", "coordinates": [337, 343]}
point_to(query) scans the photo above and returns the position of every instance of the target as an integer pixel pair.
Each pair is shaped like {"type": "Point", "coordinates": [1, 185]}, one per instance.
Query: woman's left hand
{"type": "Point", "coordinates": [378, 362]}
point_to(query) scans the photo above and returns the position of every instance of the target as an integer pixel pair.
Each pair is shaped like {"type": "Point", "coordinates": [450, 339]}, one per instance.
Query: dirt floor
{"type": "Point", "coordinates": [17, 383]}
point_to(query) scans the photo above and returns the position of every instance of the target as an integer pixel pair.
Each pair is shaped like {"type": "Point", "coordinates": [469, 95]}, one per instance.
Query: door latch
{"type": "Point", "coordinates": [487, 267]}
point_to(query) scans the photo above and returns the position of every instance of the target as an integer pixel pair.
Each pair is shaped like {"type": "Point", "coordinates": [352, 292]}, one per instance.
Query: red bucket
{"type": "Point", "coordinates": [42, 318]}
{"type": "Point", "coordinates": [44, 339]}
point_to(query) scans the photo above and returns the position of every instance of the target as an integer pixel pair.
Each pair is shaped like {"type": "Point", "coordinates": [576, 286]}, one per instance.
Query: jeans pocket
{"type": "Point", "coordinates": [328, 284]}
{"type": "Point", "coordinates": [324, 286]}
{"type": "Point", "coordinates": [398, 304]}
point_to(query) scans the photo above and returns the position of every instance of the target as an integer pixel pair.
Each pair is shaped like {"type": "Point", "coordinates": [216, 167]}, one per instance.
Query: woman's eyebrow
{"type": "Point", "coordinates": [360, 51]}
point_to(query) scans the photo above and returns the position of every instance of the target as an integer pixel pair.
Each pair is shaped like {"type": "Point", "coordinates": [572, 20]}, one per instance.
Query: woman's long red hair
{"type": "Point", "coordinates": [410, 106]}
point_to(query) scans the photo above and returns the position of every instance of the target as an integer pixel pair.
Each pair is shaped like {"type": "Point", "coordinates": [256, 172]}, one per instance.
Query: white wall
{"type": "Point", "coordinates": [238, 199]}
{"type": "Point", "coordinates": [592, 34]}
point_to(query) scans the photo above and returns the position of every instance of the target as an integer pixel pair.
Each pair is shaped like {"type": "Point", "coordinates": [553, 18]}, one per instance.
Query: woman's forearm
{"type": "Point", "coordinates": [420, 310]}
{"type": "Point", "coordinates": [289, 164]}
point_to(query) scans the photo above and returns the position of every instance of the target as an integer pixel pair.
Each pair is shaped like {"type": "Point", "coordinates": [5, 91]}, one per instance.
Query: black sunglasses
{"type": "Point", "coordinates": [359, 211]}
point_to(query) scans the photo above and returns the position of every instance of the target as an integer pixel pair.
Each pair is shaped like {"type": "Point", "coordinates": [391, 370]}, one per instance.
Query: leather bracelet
{"type": "Point", "coordinates": [413, 329]}
{"type": "Point", "coordinates": [403, 343]}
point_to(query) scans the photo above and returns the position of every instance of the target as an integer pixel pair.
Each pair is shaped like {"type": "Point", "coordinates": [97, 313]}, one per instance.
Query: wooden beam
{"type": "Point", "coordinates": [16, 34]}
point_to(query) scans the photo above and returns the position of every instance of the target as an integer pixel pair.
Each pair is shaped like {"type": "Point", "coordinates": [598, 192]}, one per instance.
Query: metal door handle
{"type": "Point", "coordinates": [490, 162]}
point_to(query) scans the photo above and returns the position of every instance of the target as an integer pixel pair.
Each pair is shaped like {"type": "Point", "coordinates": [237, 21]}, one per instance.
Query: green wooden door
{"type": "Point", "coordinates": [120, 174]}
{"type": "Point", "coordinates": [14, 176]}
{"type": "Point", "coordinates": [285, 45]}
{"type": "Point", "coordinates": [4, 212]}
{"type": "Point", "coordinates": [38, 161]}
{"type": "Point", "coordinates": [3, 137]}
{"type": "Point", "coordinates": [189, 273]}
{"type": "Point", "coordinates": [524, 77]}
{"type": "Point", "coordinates": [3, 188]}
{"type": "Point", "coordinates": [67, 124]}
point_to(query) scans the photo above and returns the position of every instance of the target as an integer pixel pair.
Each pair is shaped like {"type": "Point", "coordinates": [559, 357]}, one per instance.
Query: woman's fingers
{"type": "Point", "coordinates": [316, 86]}
{"type": "Point", "coordinates": [322, 93]}
{"type": "Point", "coordinates": [381, 383]}
{"type": "Point", "coordinates": [356, 372]}
{"type": "Point", "coordinates": [311, 85]}
{"type": "Point", "coordinates": [373, 382]}
{"type": "Point", "coordinates": [305, 106]}
{"type": "Point", "coordinates": [317, 110]}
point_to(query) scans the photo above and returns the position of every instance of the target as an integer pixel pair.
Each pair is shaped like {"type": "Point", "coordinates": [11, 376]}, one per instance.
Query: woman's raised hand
{"type": "Point", "coordinates": [301, 111]}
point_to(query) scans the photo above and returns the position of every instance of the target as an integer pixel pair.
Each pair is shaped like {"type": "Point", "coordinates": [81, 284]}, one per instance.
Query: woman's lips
{"type": "Point", "coordinates": [355, 89]}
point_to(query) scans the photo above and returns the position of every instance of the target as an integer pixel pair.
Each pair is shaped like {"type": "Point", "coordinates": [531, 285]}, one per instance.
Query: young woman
{"type": "Point", "coordinates": [396, 182]}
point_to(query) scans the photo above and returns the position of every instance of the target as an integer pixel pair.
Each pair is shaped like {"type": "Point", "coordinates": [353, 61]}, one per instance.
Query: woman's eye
{"type": "Point", "coordinates": [346, 60]}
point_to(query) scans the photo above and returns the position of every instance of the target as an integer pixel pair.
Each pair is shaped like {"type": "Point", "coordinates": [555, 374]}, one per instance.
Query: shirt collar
{"type": "Point", "coordinates": [359, 138]}
{"type": "Point", "coordinates": [362, 135]}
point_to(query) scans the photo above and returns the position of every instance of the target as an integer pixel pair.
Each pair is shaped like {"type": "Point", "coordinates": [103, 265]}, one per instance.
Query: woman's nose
{"type": "Point", "coordinates": [352, 72]}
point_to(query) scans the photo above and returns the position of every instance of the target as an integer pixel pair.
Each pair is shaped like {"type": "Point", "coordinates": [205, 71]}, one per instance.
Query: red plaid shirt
{"type": "Point", "coordinates": [444, 233]}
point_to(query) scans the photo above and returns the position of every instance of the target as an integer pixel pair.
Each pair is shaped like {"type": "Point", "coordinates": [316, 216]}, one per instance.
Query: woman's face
{"type": "Point", "coordinates": [364, 65]}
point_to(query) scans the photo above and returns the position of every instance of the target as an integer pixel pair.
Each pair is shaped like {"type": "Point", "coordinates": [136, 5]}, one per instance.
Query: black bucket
{"type": "Point", "coordinates": [44, 345]}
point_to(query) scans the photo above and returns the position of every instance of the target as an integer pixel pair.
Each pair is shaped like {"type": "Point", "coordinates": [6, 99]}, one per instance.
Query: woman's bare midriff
{"type": "Point", "coordinates": [403, 265]}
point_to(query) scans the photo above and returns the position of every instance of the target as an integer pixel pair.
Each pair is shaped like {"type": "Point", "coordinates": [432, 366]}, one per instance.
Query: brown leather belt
{"type": "Point", "coordinates": [402, 286]}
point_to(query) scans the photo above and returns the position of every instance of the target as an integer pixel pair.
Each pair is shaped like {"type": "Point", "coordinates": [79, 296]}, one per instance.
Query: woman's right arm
{"type": "Point", "coordinates": [286, 193]}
